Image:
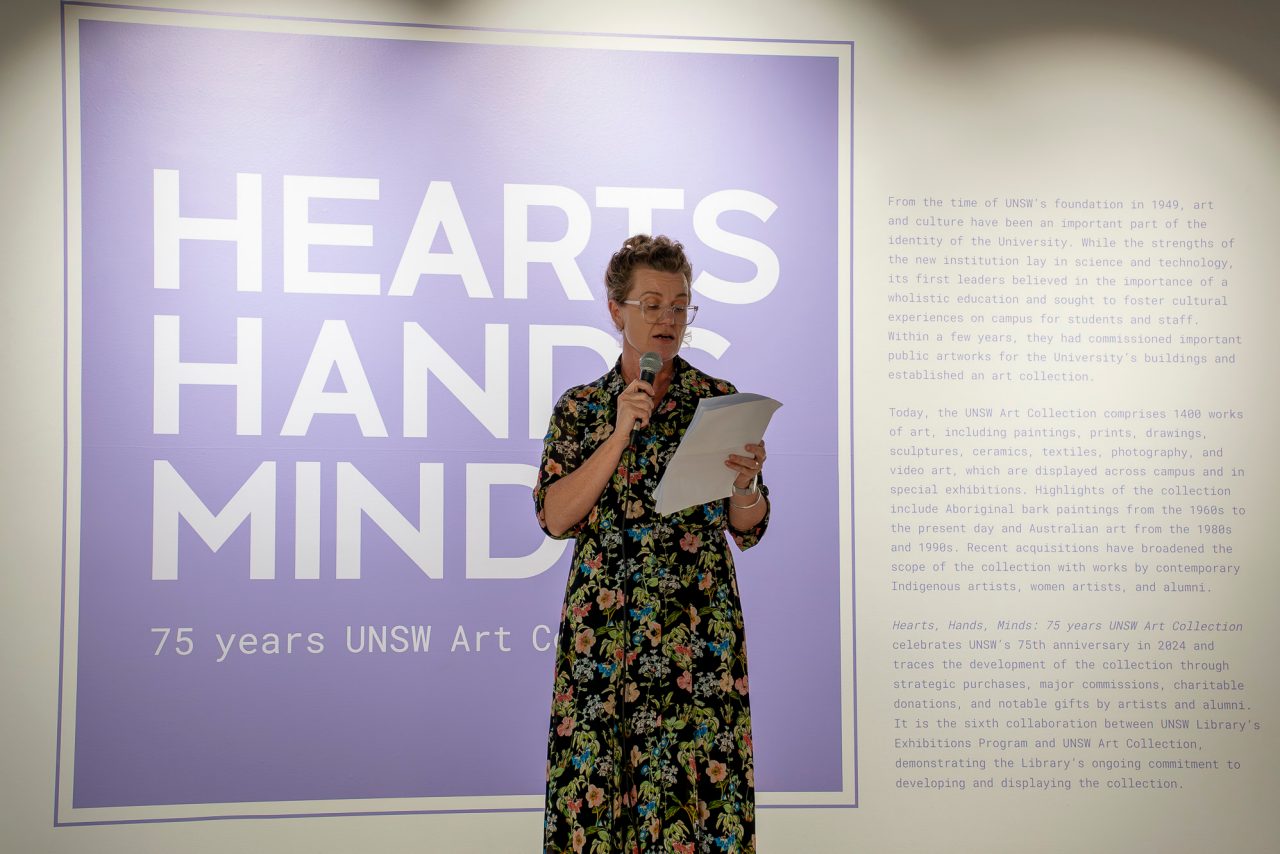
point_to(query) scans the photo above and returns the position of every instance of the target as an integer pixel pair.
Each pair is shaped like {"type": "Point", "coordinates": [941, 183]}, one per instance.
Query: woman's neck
{"type": "Point", "coordinates": [661, 381]}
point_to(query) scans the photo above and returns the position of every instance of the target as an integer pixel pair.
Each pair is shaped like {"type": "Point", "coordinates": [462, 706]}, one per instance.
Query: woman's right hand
{"type": "Point", "coordinates": [635, 405]}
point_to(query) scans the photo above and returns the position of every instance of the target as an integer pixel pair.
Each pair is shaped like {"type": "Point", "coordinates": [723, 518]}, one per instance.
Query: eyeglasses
{"type": "Point", "coordinates": [652, 312]}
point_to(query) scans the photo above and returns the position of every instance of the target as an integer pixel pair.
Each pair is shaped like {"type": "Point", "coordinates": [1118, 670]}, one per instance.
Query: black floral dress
{"type": "Point", "coordinates": [650, 738]}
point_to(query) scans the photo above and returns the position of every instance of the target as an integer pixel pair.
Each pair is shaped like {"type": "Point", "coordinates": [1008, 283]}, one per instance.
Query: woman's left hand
{"type": "Point", "coordinates": [747, 465]}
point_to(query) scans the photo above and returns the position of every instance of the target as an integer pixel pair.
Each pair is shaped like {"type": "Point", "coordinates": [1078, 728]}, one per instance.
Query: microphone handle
{"type": "Point", "coordinates": [645, 376]}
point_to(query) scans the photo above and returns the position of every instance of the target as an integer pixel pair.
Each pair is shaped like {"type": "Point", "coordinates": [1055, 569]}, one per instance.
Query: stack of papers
{"type": "Point", "coordinates": [721, 426]}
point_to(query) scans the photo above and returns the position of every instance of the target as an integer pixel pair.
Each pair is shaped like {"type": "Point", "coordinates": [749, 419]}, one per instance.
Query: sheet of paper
{"type": "Point", "coordinates": [721, 426]}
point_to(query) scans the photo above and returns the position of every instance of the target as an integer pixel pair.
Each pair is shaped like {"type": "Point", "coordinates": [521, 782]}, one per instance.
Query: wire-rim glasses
{"type": "Point", "coordinates": [652, 312]}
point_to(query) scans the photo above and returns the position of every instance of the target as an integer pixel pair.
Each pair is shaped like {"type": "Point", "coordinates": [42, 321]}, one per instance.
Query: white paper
{"type": "Point", "coordinates": [721, 426]}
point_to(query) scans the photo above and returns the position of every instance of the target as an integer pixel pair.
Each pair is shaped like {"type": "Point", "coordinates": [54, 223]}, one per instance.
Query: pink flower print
{"type": "Point", "coordinates": [717, 771]}
{"type": "Point", "coordinates": [584, 640]}
{"type": "Point", "coordinates": [690, 542]}
{"type": "Point", "coordinates": [653, 632]}
{"type": "Point", "coordinates": [685, 681]}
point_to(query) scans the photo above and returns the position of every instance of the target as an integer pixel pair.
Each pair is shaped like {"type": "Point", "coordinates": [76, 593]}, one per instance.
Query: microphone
{"type": "Point", "coordinates": [650, 364]}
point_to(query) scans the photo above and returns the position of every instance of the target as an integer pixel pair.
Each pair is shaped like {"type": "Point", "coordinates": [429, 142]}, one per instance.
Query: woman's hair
{"type": "Point", "coordinates": [660, 253]}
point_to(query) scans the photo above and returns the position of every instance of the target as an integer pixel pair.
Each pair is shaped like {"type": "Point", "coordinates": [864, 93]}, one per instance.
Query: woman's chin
{"type": "Point", "coordinates": [664, 347]}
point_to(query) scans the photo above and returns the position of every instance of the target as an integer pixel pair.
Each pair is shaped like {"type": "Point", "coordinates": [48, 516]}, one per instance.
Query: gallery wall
{"type": "Point", "coordinates": [1042, 487]}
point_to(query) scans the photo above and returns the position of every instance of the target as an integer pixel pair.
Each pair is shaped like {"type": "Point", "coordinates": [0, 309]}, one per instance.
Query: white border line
{"type": "Point", "coordinates": [844, 418]}
{"type": "Point", "coordinates": [66, 812]}
{"type": "Point", "coordinates": [452, 35]}
{"type": "Point", "coordinates": [73, 391]}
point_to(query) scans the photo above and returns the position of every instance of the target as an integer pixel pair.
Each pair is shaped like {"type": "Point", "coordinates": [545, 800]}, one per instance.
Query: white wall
{"type": "Point", "coordinates": [984, 99]}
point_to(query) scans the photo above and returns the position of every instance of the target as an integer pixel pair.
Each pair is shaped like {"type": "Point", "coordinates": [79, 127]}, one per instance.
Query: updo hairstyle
{"type": "Point", "coordinates": [660, 253]}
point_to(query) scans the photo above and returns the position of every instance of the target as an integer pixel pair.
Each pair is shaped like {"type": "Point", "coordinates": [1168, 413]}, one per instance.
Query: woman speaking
{"type": "Point", "coordinates": [650, 738]}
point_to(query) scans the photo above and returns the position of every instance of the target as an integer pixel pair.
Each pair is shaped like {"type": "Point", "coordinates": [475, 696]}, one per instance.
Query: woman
{"type": "Point", "coordinates": [650, 743]}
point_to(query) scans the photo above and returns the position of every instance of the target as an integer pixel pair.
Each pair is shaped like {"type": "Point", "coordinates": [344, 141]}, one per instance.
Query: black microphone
{"type": "Point", "coordinates": [650, 364]}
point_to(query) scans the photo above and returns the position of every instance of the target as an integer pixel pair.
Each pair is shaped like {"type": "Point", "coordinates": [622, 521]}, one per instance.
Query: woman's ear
{"type": "Point", "coordinates": [615, 313]}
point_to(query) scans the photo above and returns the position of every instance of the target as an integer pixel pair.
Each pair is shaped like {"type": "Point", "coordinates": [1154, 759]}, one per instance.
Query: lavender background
{"type": "Point", "coordinates": [166, 730]}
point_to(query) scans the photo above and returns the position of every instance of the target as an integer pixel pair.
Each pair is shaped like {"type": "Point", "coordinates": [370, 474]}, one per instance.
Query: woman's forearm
{"type": "Point", "coordinates": [571, 498]}
{"type": "Point", "coordinates": [746, 511]}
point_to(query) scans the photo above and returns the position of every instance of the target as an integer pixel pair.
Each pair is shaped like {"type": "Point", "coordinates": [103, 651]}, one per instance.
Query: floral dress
{"type": "Point", "coordinates": [650, 739]}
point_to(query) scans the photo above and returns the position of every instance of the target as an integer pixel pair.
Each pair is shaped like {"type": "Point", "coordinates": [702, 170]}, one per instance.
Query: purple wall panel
{"type": "Point", "coordinates": [166, 729]}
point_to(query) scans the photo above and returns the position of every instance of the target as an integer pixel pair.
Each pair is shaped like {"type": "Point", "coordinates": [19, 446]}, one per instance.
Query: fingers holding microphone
{"type": "Point", "coordinates": [635, 405]}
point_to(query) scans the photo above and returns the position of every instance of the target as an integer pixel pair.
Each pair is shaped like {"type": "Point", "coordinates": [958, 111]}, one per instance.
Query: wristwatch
{"type": "Point", "coordinates": [746, 490]}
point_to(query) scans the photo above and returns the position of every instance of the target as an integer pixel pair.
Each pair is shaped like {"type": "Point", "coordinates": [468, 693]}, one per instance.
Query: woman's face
{"type": "Point", "coordinates": [653, 287]}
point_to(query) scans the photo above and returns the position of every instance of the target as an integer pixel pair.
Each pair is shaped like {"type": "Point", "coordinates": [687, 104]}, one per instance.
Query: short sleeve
{"type": "Point", "coordinates": [561, 454]}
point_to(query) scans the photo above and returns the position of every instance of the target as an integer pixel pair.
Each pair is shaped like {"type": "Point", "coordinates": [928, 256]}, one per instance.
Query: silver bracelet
{"type": "Point", "coordinates": [748, 506]}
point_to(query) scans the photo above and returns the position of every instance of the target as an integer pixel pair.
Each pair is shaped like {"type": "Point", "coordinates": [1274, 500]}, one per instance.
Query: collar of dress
{"type": "Point", "coordinates": [682, 373]}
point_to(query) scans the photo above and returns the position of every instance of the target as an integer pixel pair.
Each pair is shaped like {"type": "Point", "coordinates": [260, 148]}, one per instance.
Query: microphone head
{"type": "Point", "coordinates": [650, 364]}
